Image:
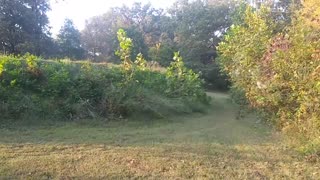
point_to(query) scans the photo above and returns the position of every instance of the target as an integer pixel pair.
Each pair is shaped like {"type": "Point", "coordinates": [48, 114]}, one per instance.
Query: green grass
{"type": "Point", "coordinates": [201, 146]}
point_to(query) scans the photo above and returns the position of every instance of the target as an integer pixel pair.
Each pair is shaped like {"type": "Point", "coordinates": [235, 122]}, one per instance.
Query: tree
{"type": "Point", "coordinates": [39, 21]}
{"type": "Point", "coordinates": [99, 36]}
{"type": "Point", "coordinates": [279, 72]}
{"type": "Point", "coordinates": [282, 11]}
{"type": "Point", "coordinates": [199, 28]}
{"type": "Point", "coordinates": [193, 28]}
{"type": "Point", "coordinates": [23, 25]}
{"type": "Point", "coordinates": [139, 45]}
{"type": "Point", "coordinates": [69, 40]}
{"type": "Point", "coordinates": [143, 18]}
{"type": "Point", "coordinates": [100, 32]}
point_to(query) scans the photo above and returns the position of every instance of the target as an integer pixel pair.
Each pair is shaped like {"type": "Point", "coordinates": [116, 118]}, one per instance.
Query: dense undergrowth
{"type": "Point", "coordinates": [279, 72]}
{"type": "Point", "coordinates": [35, 88]}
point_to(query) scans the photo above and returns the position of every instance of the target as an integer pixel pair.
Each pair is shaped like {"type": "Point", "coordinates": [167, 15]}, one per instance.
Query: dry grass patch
{"type": "Point", "coordinates": [167, 161]}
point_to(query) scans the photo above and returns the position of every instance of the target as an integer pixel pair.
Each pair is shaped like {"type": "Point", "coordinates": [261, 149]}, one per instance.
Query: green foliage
{"type": "Point", "coordinates": [279, 73]}
{"type": "Point", "coordinates": [193, 28]}
{"type": "Point", "coordinates": [142, 25]}
{"type": "Point", "coordinates": [99, 37]}
{"type": "Point", "coordinates": [69, 41]}
{"type": "Point", "coordinates": [214, 78]}
{"type": "Point", "coordinates": [238, 97]}
{"type": "Point", "coordinates": [184, 82]}
{"type": "Point", "coordinates": [162, 53]}
{"type": "Point", "coordinates": [140, 62]}
{"type": "Point", "coordinates": [125, 49]}
{"type": "Point", "coordinates": [199, 26]}
{"type": "Point", "coordinates": [35, 88]}
{"type": "Point", "coordinates": [138, 42]}
{"type": "Point", "coordinates": [24, 26]}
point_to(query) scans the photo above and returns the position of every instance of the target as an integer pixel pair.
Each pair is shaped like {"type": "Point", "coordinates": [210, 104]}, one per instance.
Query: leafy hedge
{"type": "Point", "coordinates": [30, 87]}
{"type": "Point", "coordinates": [280, 73]}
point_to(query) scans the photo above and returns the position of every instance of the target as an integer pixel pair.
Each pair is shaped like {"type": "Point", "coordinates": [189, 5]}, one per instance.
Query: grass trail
{"type": "Point", "coordinates": [211, 146]}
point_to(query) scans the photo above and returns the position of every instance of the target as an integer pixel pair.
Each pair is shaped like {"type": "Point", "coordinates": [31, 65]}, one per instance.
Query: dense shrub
{"type": "Point", "coordinates": [183, 82]}
{"type": "Point", "coordinates": [210, 72]}
{"type": "Point", "coordinates": [214, 78]}
{"type": "Point", "coordinates": [279, 72]}
{"type": "Point", "coordinates": [162, 53]}
{"type": "Point", "coordinates": [30, 87]}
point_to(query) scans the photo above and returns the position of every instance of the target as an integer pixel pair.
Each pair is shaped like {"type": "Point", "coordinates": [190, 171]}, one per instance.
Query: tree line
{"type": "Point", "coordinates": [192, 27]}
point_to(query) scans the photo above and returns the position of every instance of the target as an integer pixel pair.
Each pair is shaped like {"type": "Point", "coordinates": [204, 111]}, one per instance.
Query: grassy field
{"type": "Point", "coordinates": [201, 146]}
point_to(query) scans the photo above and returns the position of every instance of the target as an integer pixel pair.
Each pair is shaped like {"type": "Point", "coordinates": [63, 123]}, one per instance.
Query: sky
{"type": "Point", "coordinates": [80, 10]}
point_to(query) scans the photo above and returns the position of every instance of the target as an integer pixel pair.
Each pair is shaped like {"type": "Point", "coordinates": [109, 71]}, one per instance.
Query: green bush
{"type": "Point", "coordinates": [34, 88]}
{"type": "Point", "coordinates": [279, 73]}
{"type": "Point", "coordinates": [214, 78]}
{"type": "Point", "coordinates": [210, 71]}
{"type": "Point", "coordinates": [184, 82]}
{"type": "Point", "coordinates": [162, 53]}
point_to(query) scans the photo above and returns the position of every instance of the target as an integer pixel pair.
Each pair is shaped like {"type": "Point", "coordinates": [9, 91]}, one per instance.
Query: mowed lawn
{"type": "Point", "coordinates": [201, 146]}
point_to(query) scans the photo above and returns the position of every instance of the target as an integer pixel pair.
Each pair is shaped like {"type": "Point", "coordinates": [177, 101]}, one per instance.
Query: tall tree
{"type": "Point", "coordinates": [23, 25]}
{"type": "Point", "coordinates": [99, 36]}
{"type": "Point", "coordinates": [282, 10]}
{"type": "Point", "coordinates": [199, 28]}
{"type": "Point", "coordinates": [69, 40]}
{"type": "Point", "coordinates": [12, 26]}
{"type": "Point", "coordinates": [145, 19]}
{"type": "Point", "coordinates": [99, 33]}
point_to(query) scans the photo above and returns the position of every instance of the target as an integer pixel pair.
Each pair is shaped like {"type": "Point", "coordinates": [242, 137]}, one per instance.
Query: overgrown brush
{"type": "Point", "coordinates": [280, 73]}
{"type": "Point", "coordinates": [34, 88]}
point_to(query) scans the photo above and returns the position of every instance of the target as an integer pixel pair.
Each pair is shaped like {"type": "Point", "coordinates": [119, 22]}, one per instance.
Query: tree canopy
{"type": "Point", "coordinates": [69, 40]}
{"type": "Point", "coordinates": [24, 26]}
{"type": "Point", "coordinates": [194, 28]}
